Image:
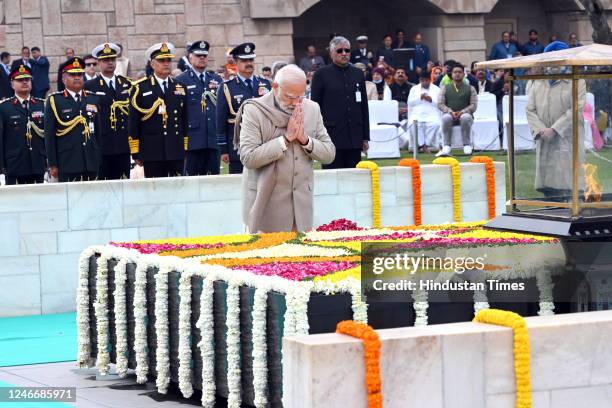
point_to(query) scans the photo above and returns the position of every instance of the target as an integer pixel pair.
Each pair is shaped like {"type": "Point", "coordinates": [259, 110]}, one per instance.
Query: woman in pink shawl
{"type": "Point", "coordinates": [589, 117]}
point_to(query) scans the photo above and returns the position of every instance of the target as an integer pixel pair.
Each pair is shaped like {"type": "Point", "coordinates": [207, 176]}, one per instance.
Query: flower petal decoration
{"type": "Point", "coordinates": [490, 169]}
{"type": "Point", "coordinates": [373, 167]}
{"type": "Point", "coordinates": [456, 177]}
{"type": "Point", "coordinates": [415, 165]}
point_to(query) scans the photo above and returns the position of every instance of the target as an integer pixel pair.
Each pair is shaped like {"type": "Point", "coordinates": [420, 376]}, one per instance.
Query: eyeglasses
{"type": "Point", "coordinates": [91, 64]}
{"type": "Point", "coordinates": [75, 74]}
{"type": "Point", "coordinates": [343, 51]}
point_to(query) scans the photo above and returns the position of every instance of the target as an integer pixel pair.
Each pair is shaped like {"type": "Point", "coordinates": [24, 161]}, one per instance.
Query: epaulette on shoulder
{"type": "Point", "coordinates": [4, 100]}
{"type": "Point", "coordinates": [39, 99]}
{"type": "Point", "coordinates": [136, 82]}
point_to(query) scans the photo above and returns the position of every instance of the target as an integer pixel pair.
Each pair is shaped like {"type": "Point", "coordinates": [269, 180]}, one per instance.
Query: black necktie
{"type": "Point", "coordinates": [165, 87]}
{"type": "Point", "coordinates": [77, 98]}
{"type": "Point", "coordinates": [25, 105]}
{"type": "Point", "coordinates": [202, 79]}
{"type": "Point", "coordinates": [249, 83]}
{"type": "Point", "coordinates": [111, 85]}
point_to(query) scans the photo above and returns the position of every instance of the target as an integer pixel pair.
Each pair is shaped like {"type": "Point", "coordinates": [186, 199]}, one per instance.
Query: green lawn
{"type": "Point", "coordinates": [525, 164]}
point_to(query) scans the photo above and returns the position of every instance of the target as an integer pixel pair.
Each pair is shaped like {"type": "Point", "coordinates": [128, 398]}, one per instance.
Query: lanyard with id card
{"type": "Point", "coordinates": [357, 94]}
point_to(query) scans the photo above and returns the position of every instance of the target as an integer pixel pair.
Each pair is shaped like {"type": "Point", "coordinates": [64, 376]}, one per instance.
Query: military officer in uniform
{"type": "Point", "coordinates": [22, 143]}
{"type": "Point", "coordinates": [231, 95]}
{"type": "Point", "coordinates": [72, 123]}
{"type": "Point", "coordinates": [201, 88]}
{"type": "Point", "coordinates": [113, 92]}
{"type": "Point", "coordinates": [157, 120]}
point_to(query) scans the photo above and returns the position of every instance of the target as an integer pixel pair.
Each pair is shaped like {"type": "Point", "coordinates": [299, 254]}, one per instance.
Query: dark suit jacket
{"type": "Point", "coordinates": [73, 152]}
{"type": "Point", "coordinates": [112, 140]}
{"type": "Point", "coordinates": [16, 63]}
{"type": "Point", "coordinates": [150, 140]}
{"type": "Point", "coordinates": [6, 89]}
{"type": "Point", "coordinates": [40, 74]}
{"type": "Point", "coordinates": [18, 156]}
{"type": "Point", "coordinates": [229, 98]}
{"type": "Point", "coordinates": [202, 118]}
{"type": "Point", "coordinates": [346, 118]}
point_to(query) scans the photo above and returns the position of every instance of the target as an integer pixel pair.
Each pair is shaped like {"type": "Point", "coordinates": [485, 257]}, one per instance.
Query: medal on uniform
{"type": "Point", "coordinates": [91, 127]}
{"type": "Point", "coordinates": [262, 90]}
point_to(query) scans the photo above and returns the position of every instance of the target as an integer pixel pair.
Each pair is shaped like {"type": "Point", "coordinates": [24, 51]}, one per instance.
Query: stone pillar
{"type": "Point", "coordinates": [463, 37]}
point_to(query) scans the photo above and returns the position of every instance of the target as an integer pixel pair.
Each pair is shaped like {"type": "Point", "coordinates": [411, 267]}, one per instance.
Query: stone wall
{"type": "Point", "coordinates": [54, 25]}
{"type": "Point", "coordinates": [461, 365]}
{"type": "Point", "coordinates": [44, 228]}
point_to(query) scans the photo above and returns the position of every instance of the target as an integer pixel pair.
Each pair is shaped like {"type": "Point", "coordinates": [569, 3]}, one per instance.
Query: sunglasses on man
{"type": "Point", "coordinates": [91, 64]}
{"type": "Point", "coordinates": [343, 51]}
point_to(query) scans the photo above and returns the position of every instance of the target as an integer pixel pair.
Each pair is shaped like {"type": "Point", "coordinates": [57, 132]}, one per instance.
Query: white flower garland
{"type": "Point", "coordinates": [234, 398]}
{"type": "Point", "coordinates": [545, 287]}
{"type": "Point", "coordinates": [260, 347]}
{"type": "Point", "coordinates": [420, 306]}
{"type": "Point", "coordinates": [162, 352]}
{"type": "Point", "coordinates": [121, 317]}
{"type": "Point", "coordinates": [206, 326]}
{"type": "Point", "coordinates": [82, 319]}
{"type": "Point", "coordinates": [101, 308]}
{"type": "Point", "coordinates": [141, 346]}
{"type": "Point", "coordinates": [184, 351]}
{"type": "Point", "coordinates": [349, 285]}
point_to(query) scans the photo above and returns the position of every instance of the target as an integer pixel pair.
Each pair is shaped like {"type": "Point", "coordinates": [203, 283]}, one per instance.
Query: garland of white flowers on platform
{"type": "Point", "coordinates": [141, 347]}
{"type": "Point", "coordinates": [420, 306]}
{"type": "Point", "coordinates": [234, 398]}
{"type": "Point", "coordinates": [545, 287]}
{"type": "Point", "coordinates": [121, 317]}
{"type": "Point", "coordinates": [184, 353]}
{"type": "Point", "coordinates": [260, 347]}
{"type": "Point", "coordinates": [162, 333]}
{"type": "Point", "coordinates": [206, 326]}
{"type": "Point", "coordinates": [83, 339]}
{"type": "Point", "coordinates": [101, 308]}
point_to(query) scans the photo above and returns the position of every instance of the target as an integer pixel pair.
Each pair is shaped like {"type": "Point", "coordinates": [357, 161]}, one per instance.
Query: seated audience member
{"type": "Point", "coordinates": [400, 90]}
{"type": "Point", "coordinates": [483, 85]}
{"type": "Point", "coordinates": [436, 74]}
{"type": "Point", "coordinates": [423, 108]}
{"type": "Point", "coordinates": [458, 102]}
{"type": "Point", "coordinates": [382, 92]}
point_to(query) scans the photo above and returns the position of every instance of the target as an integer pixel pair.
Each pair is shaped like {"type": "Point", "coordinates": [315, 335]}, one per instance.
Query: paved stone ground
{"type": "Point", "coordinates": [91, 393]}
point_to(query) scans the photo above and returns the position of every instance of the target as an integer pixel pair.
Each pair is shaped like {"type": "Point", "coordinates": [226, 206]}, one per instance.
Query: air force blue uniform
{"type": "Point", "coordinates": [229, 98]}
{"type": "Point", "coordinates": [203, 147]}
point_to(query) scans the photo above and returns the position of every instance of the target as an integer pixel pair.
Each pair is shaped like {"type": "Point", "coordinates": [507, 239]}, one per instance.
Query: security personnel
{"type": "Point", "coordinates": [231, 95]}
{"type": "Point", "coordinates": [72, 124]}
{"type": "Point", "coordinates": [201, 88]}
{"type": "Point", "coordinates": [157, 121]}
{"type": "Point", "coordinates": [22, 143]}
{"type": "Point", "coordinates": [113, 92]}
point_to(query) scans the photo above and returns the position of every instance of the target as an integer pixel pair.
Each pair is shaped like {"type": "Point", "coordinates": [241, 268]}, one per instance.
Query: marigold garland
{"type": "Point", "coordinates": [522, 369]}
{"type": "Point", "coordinates": [371, 351]}
{"type": "Point", "coordinates": [456, 176]}
{"type": "Point", "coordinates": [416, 188]}
{"type": "Point", "coordinates": [490, 169]}
{"type": "Point", "coordinates": [373, 167]}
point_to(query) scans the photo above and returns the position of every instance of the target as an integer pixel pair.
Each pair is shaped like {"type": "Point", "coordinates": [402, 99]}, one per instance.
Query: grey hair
{"type": "Point", "coordinates": [277, 65]}
{"type": "Point", "coordinates": [288, 73]}
{"type": "Point", "coordinates": [337, 41]}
